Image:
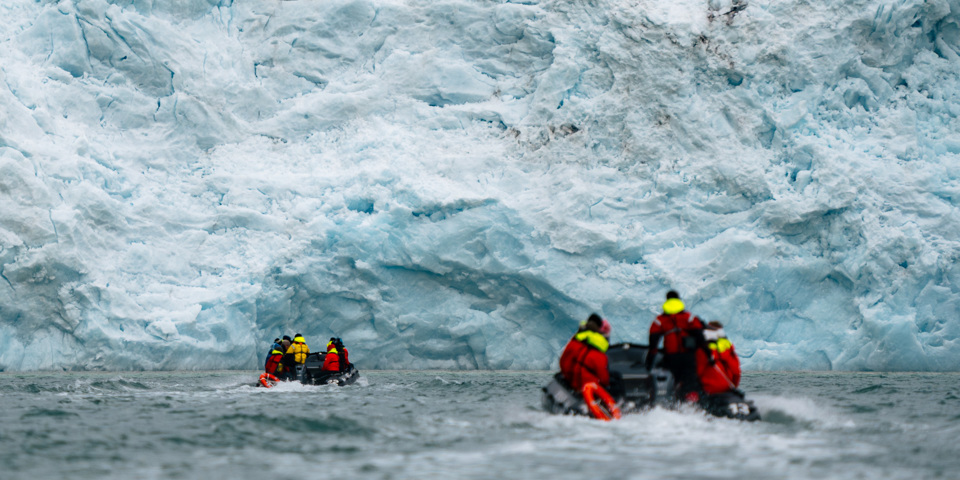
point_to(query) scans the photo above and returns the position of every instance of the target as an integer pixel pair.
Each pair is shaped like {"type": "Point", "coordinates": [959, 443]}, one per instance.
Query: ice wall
{"type": "Point", "coordinates": [455, 184]}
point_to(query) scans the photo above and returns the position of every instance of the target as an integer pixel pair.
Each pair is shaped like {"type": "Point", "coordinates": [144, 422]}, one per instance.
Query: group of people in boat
{"type": "Point", "coordinates": [287, 354]}
{"type": "Point", "coordinates": [699, 355]}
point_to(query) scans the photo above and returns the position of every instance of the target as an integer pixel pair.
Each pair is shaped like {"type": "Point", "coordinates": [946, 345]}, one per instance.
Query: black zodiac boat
{"type": "Point", "coordinates": [635, 389]}
{"type": "Point", "coordinates": [312, 373]}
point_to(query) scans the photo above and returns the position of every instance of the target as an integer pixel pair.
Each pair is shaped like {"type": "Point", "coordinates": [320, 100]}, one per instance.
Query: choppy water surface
{"type": "Point", "coordinates": [466, 425]}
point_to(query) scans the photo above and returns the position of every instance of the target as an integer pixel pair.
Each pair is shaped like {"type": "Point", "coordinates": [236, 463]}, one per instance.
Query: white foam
{"type": "Point", "coordinates": [803, 409]}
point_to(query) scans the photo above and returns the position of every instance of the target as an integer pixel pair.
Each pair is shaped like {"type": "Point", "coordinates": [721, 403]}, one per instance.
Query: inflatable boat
{"type": "Point", "coordinates": [312, 373]}
{"type": "Point", "coordinates": [634, 389]}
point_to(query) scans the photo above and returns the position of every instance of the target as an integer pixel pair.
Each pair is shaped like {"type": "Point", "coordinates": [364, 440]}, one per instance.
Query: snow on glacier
{"type": "Point", "coordinates": [455, 184]}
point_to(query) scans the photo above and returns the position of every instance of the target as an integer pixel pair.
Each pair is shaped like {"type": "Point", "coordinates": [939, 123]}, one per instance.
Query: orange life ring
{"type": "Point", "coordinates": [605, 409]}
{"type": "Point", "coordinates": [268, 379]}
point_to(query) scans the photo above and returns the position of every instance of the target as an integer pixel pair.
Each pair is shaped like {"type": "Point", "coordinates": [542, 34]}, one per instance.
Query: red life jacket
{"type": "Point", "coordinates": [273, 362]}
{"type": "Point", "coordinates": [677, 330]}
{"type": "Point", "coordinates": [331, 363]}
{"type": "Point", "coordinates": [724, 374]}
{"type": "Point", "coordinates": [584, 360]}
{"type": "Point", "coordinates": [732, 363]}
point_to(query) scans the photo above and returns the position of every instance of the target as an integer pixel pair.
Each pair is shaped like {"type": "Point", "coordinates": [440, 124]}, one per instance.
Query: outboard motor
{"type": "Point", "coordinates": [312, 368]}
{"type": "Point", "coordinates": [637, 387]}
{"type": "Point", "coordinates": [558, 399]}
{"type": "Point", "coordinates": [663, 386]}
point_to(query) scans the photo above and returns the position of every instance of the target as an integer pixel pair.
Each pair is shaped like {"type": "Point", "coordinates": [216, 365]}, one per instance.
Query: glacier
{"type": "Point", "coordinates": [455, 184]}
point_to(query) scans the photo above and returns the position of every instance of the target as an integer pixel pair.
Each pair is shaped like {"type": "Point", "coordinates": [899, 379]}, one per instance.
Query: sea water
{"type": "Point", "coordinates": [440, 424]}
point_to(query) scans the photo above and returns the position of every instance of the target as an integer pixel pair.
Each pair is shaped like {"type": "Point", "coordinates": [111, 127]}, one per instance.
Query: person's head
{"type": "Point", "coordinates": [593, 323]}
{"type": "Point", "coordinates": [276, 340]}
{"type": "Point", "coordinates": [673, 305]}
{"type": "Point", "coordinates": [596, 323]}
{"type": "Point", "coordinates": [713, 331]}
{"type": "Point", "coordinates": [331, 344]}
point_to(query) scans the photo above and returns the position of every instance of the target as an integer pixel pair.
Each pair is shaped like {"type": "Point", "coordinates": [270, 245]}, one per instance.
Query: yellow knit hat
{"type": "Point", "coordinates": [673, 306]}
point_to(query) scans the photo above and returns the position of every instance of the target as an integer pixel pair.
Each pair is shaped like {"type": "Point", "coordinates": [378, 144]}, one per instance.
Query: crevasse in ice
{"type": "Point", "coordinates": [456, 184]}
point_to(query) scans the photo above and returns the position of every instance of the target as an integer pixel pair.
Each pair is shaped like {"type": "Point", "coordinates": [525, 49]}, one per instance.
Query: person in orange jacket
{"type": "Point", "coordinates": [275, 346]}
{"type": "Point", "coordinates": [723, 373]}
{"type": "Point", "coordinates": [278, 363]}
{"type": "Point", "coordinates": [584, 359]}
{"type": "Point", "coordinates": [273, 365]}
{"type": "Point", "coordinates": [338, 358]}
{"type": "Point", "coordinates": [682, 335]}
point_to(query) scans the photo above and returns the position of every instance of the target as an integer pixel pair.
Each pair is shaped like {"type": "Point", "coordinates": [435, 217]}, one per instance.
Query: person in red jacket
{"type": "Point", "coordinates": [337, 359]}
{"type": "Point", "coordinates": [584, 359]}
{"type": "Point", "coordinates": [288, 367]}
{"type": "Point", "coordinates": [723, 373]}
{"type": "Point", "coordinates": [682, 335]}
{"type": "Point", "coordinates": [274, 364]}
